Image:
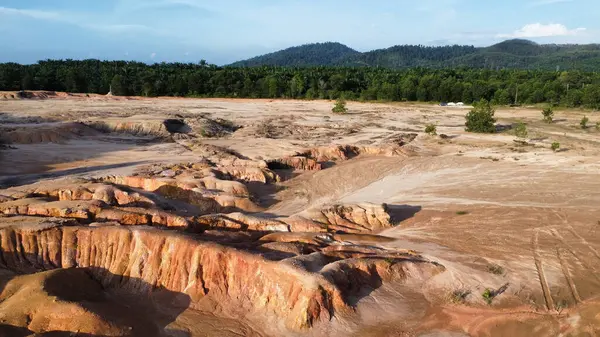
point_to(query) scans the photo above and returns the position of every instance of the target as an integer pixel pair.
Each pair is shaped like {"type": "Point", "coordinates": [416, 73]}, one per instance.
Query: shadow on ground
{"type": "Point", "coordinates": [84, 302]}
{"type": "Point", "coordinates": [400, 213]}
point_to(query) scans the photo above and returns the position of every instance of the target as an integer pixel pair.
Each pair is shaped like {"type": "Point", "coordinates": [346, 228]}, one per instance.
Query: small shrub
{"type": "Point", "coordinates": [459, 296]}
{"type": "Point", "coordinates": [584, 122]}
{"type": "Point", "coordinates": [462, 213]}
{"type": "Point", "coordinates": [495, 269]}
{"type": "Point", "coordinates": [561, 305]}
{"type": "Point", "coordinates": [431, 129]}
{"type": "Point", "coordinates": [488, 296]}
{"type": "Point", "coordinates": [340, 107]}
{"type": "Point", "coordinates": [555, 146]}
{"type": "Point", "coordinates": [521, 130]}
{"type": "Point", "coordinates": [481, 118]}
{"type": "Point", "coordinates": [548, 114]}
{"type": "Point", "coordinates": [597, 126]}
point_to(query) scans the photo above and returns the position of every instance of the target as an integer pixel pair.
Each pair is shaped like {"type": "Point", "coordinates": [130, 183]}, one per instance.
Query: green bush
{"type": "Point", "coordinates": [431, 129]}
{"type": "Point", "coordinates": [340, 107]}
{"type": "Point", "coordinates": [521, 130]}
{"type": "Point", "coordinates": [481, 118]}
{"type": "Point", "coordinates": [584, 122]}
{"type": "Point", "coordinates": [555, 146]}
{"type": "Point", "coordinates": [548, 114]}
{"type": "Point", "coordinates": [597, 125]}
{"type": "Point", "coordinates": [488, 296]}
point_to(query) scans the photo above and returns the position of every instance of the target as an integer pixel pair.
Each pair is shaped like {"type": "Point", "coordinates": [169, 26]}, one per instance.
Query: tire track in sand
{"type": "Point", "coordinates": [565, 269]}
{"type": "Point", "coordinates": [584, 241]}
{"type": "Point", "coordinates": [540, 270]}
{"type": "Point", "coordinates": [577, 256]}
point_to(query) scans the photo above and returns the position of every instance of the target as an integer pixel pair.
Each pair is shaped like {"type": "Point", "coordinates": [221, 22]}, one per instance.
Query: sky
{"type": "Point", "coordinates": [225, 31]}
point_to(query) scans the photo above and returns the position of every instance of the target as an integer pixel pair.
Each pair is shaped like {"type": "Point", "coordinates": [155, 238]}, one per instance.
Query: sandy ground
{"type": "Point", "coordinates": [497, 214]}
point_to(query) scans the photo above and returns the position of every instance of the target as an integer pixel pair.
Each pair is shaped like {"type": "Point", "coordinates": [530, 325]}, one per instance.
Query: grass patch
{"type": "Point", "coordinates": [462, 213]}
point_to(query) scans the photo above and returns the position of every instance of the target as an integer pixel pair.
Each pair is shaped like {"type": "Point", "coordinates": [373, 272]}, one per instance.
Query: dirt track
{"type": "Point", "coordinates": [492, 211]}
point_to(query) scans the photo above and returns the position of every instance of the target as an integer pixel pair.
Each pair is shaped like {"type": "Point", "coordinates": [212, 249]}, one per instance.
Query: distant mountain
{"type": "Point", "coordinates": [315, 54]}
{"type": "Point", "coordinates": [521, 54]}
{"type": "Point", "coordinates": [408, 56]}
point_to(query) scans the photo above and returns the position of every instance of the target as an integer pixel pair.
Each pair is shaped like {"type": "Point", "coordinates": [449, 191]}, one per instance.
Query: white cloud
{"type": "Point", "coordinates": [36, 14]}
{"type": "Point", "coordinates": [540, 30]}
{"type": "Point", "coordinates": [153, 55]}
{"type": "Point", "coordinates": [78, 19]}
{"type": "Point", "coordinates": [547, 2]}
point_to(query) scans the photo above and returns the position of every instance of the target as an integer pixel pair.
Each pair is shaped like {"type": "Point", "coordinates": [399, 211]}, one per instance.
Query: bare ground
{"type": "Point", "coordinates": [515, 218]}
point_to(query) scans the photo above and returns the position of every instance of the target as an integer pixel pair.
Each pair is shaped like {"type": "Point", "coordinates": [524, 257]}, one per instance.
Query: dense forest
{"type": "Point", "coordinates": [316, 54]}
{"type": "Point", "coordinates": [568, 88]}
{"type": "Point", "coordinates": [511, 54]}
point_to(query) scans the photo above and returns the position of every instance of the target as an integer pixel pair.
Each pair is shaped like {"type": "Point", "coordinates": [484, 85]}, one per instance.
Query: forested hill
{"type": "Point", "coordinates": [316, 54]}
{"type": "Point", "coordinates": [511, 54]}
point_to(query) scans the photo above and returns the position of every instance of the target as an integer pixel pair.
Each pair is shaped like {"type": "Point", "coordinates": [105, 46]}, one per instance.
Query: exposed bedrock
{"type": "Point", "coordinates": [318, 158]}
{"type": "Point", "coordinates": [209, 193]}
{"type": "Point", "coordinates": [87, 211]}
{"type": "Point", "coordinates": [300, 291]}
{"type": "Point", "coordinates": [348, 218]}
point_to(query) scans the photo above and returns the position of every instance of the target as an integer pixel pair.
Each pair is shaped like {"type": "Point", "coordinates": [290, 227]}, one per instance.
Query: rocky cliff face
{"type": "Point", "coordinates": [302, 290]}
{"type": "Point", "coordinates": [194, 229]}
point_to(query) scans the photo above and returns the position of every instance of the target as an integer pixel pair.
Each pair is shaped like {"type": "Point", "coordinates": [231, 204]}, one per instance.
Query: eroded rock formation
{"type": "Point", "coordinates": [193, 229]}
{"type": "Point", "coordinates": [302, 290]}
{"type": "Point", "coordinates": [317, 158]}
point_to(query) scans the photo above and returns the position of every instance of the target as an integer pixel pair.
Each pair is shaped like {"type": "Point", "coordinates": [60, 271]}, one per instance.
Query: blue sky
{"type": "Point", "coordinates": [224, 31]}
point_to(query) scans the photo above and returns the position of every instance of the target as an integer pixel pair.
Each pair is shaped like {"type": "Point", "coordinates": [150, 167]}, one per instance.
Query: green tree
{"type": "Point", "coordinates": [481, 118]}
{"type": "Point", "coordinates": [27, 83]}
{"type": "Point", "coordinates": [340, 107]}
{"type": "Point", "coordinates": [573, 98]}
{"type": "Point", "coordinates": [502, 97]}
{"type": "Point", "coordinates": [273, 87]}
{"type": "Point", "coordinates": [548, 114]}
{"type": "Point", "coordinates": [297, 86]}
{"type": "Point", "coordinates": [591, 96]}
{"type": "Point", "coordinates": [118, 86]}
{"type": "Point", "coordinates": [148, 89]}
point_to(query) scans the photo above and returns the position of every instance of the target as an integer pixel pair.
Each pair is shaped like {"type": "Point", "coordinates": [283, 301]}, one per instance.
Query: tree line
{"type": "Point", "coordinates": [566, 88]}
